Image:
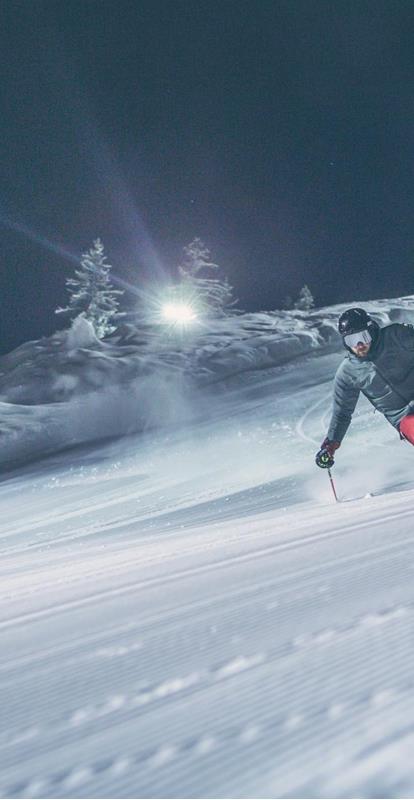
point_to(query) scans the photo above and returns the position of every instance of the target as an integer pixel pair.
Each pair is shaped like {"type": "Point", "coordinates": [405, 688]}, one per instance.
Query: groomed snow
{"type": "Point", "coordinates": [185, 611]}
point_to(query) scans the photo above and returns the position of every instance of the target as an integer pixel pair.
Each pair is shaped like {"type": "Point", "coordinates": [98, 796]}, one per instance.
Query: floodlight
{"type": "Point", "coordinates": [179, 313]}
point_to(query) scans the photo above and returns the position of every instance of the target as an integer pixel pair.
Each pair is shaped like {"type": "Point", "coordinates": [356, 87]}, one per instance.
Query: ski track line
{"type": "Point", "coordinates": [147, 516]}
{"type": "Point", "coordinates": [74, 643]}
{"type": "Point", "coordinates": [118, 568]}
{"type": "Point", "coordinates": [125, 522]}
{"type": "Point", "coordinates": [121, 708]}
{"type": "Point", "coordinates": [62, 516]}
{"type": "Point", "coordinates": [159, 758]}
{"type": "Point", "coordinates": [301, 423]}
{"type": "Point", "coordinates": [300, 542]}
{"type": "Point", "coordinates": [150, 538]}
{"type": "Point", "coordinates": [149, 560]}
{"type": "Point", "coordinates": [230, 561]}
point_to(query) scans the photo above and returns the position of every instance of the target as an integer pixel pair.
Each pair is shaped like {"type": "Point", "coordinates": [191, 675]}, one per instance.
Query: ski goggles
{"type": "Point", "coordinates": [354, 339]}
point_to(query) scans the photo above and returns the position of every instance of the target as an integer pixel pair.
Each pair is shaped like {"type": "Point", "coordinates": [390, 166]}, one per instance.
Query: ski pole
{"type": "Point", "coordinates": [333, 485]}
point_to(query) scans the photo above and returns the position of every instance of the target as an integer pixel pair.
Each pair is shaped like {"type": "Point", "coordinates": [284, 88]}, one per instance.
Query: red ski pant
{"type": "Point", "coordinates": [407, 428]}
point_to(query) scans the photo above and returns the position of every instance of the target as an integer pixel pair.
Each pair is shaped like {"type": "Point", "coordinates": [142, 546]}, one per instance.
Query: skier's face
{"type": "Point", "coordinates": [361, 349]}
{"type": "Point", "coordinates": [359, 342]}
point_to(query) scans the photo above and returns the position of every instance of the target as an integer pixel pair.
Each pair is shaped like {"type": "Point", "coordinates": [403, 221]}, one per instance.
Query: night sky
{"type": "Point", "coordinates": [281, 133]}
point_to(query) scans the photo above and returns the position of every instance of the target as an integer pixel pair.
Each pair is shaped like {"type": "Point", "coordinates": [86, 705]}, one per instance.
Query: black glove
{"type": "Point", "coordinates": [325, 456]}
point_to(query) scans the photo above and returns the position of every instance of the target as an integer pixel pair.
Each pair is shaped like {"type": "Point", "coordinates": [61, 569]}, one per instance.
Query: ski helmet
{"type": "Point", "coordinates": [354, 320]}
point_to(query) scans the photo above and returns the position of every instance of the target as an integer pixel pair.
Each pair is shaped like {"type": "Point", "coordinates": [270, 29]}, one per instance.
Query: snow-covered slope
{"type": "Point", "coordinates": [186, 612]}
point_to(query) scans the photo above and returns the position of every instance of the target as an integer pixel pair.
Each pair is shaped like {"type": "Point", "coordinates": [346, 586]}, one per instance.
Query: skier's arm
{"type": "Point", "coordinates": [345, 398]}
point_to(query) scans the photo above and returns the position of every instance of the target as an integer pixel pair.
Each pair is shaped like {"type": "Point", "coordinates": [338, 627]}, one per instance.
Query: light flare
{"type": "Point", "coordinates": [179, 313]}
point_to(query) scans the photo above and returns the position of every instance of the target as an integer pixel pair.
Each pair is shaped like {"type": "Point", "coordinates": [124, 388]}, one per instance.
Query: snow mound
{"type": "Point", "coordinates": [81, 334]}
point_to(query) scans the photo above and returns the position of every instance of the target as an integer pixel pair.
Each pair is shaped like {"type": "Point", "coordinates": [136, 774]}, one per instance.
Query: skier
{"type": "Point", "coordinates": [380, 364]}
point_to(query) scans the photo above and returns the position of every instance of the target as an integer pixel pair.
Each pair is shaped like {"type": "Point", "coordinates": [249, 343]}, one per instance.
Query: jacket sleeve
{"type": "Point", "coordinates": [345, 398]}
{"type": "Point", "coordinates": [405, 336]}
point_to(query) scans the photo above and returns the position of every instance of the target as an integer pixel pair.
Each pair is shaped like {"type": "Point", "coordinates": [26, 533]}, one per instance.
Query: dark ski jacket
{"type": "Point", "coordinates": [385, 376]}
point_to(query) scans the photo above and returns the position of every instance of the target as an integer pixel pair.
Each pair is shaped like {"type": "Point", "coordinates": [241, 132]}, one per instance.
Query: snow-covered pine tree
{"type": "Point", "coordinates": [210, 295]}
{"type": "Point", "coordinates": [305, 300]}
{"type": "Point", "coordinates": [92, 294]}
